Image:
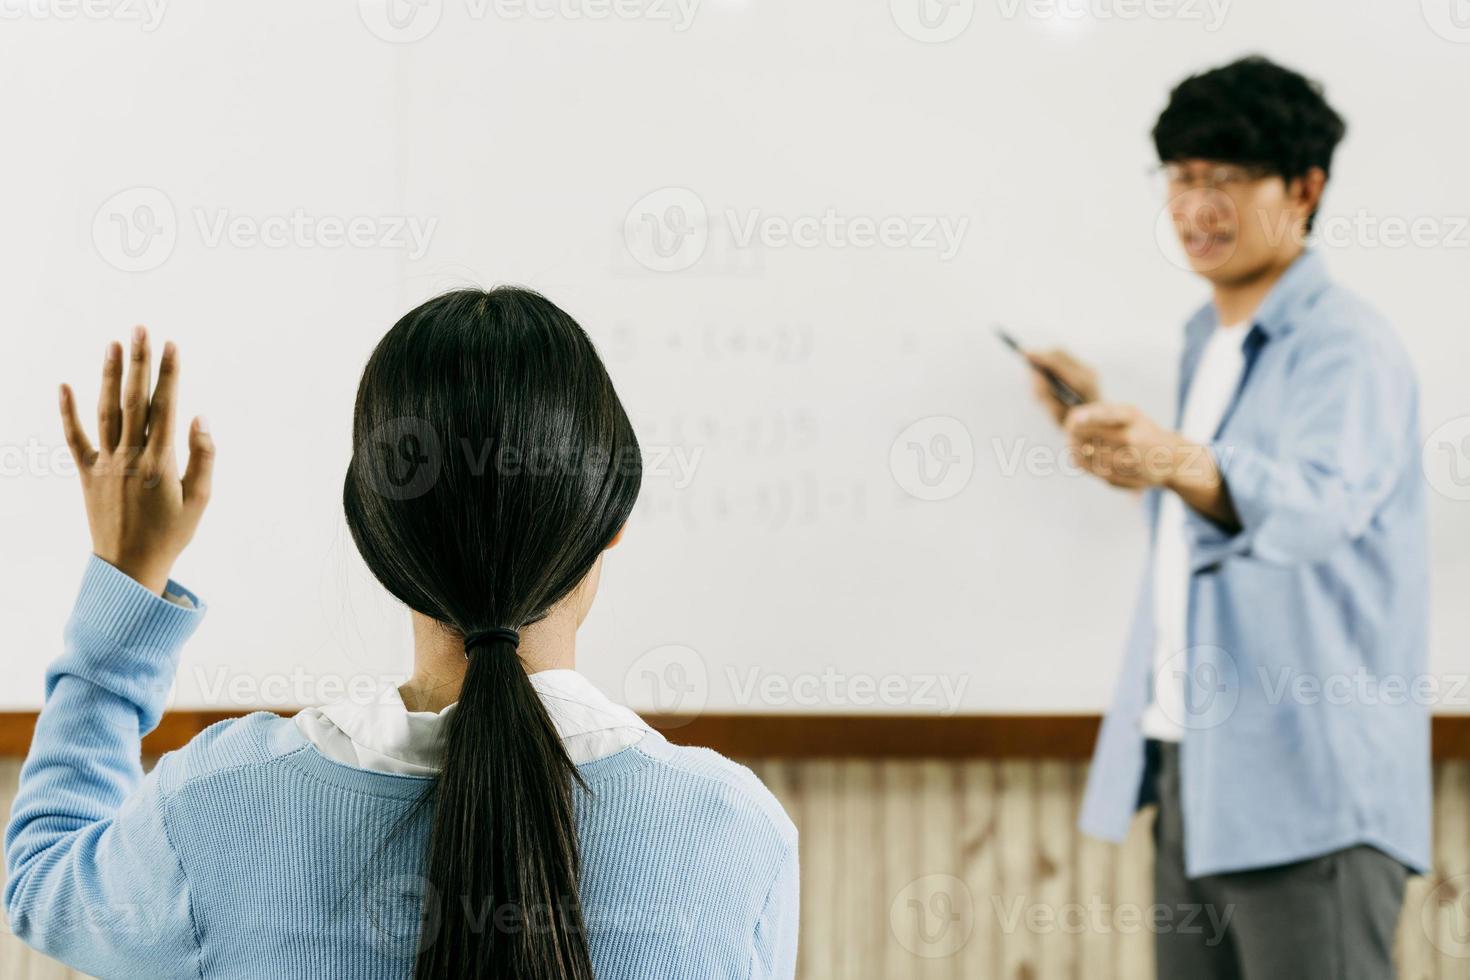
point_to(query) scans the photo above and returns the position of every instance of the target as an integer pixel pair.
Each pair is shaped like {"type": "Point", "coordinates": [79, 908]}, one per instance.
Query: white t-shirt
{"type": "Point", "coordinates": [1215, 381]}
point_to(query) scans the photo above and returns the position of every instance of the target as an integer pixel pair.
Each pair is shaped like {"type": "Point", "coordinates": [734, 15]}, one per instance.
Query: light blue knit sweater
{"type": "Point", "coordinates": [249, 854]}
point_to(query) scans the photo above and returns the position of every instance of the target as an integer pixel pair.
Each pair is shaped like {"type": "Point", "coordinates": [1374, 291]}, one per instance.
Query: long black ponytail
{"type": "Point", "coordinates": [493, 463]}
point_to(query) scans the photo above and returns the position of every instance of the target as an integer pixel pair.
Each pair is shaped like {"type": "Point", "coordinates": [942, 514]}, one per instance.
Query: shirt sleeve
{"type": "Point", "coordinates": [774, 956]}
{"type": "Point", "coordinates": [1347, 423]}
{"type": "Point", "coordinates": [91, 877]}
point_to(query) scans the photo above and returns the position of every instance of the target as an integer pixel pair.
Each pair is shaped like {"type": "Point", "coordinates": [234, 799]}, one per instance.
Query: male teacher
{"type": "Point", "coordinates": [1272, 701]}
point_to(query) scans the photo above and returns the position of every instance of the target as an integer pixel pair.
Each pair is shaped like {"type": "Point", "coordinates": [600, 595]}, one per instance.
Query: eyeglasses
{"type": "Point", "coordinates": [1179, 177]}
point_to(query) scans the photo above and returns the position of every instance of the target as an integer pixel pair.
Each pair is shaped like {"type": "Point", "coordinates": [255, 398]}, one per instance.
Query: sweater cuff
{"type": "Point", "coordinates": [115, 607]}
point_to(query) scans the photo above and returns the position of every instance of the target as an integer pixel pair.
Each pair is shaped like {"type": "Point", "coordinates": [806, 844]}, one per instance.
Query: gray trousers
{"type": "Point", "coordinates": [1331, 917]}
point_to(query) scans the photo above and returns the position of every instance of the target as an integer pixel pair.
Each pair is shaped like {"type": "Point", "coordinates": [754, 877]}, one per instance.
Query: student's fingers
{"type": "Point", "coordinates": [76, 437]}
{"type": "Point", "coordinates": [109, 401]}
{"type": "Point", "coordinates": [199, 472]}
{"type": "Point", "coordinates": [135, 392]}
{"type": "Point", "coordinates": [161, 410]}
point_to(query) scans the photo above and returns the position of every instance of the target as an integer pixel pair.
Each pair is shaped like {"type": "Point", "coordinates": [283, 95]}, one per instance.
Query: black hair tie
{"type": "Point", "coordinates": [489, 637]}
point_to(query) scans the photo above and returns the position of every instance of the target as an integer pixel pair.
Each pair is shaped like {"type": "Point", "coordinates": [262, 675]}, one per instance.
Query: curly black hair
{"type": "Point", "coordinates": [1251, 112]}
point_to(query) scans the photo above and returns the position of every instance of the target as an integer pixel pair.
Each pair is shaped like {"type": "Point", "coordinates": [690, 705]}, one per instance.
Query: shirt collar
{"type": "Point", "coordinates": [577, 707]}
{"type": "Point", "coordinates": [1280, 310]}
{"type": "Point", "coordinates": [384, 729]}
{"type": "Point", "coordinates": [1297, 287]}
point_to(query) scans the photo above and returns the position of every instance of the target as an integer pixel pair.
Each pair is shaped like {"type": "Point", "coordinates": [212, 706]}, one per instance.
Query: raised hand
{"type": "Point", "coordinates": [141, 512]}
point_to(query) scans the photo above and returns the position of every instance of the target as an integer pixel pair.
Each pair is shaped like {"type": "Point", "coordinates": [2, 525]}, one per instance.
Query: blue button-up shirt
{"type": "Point", "coordinates": [1306, 674]}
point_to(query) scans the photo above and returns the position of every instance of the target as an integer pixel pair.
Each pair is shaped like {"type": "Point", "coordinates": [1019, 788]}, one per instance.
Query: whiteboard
{"type": "Point", "coordinates": [788, 228]}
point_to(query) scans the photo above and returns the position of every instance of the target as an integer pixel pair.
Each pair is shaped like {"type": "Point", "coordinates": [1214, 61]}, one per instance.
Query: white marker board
{"type": "Point", "coordinates": [844, 202]}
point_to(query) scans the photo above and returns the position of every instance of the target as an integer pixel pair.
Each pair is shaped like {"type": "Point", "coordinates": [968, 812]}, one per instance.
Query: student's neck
{"type": "Point", "coordinates": [1237, 301]}
{"type": "Point", "coordinates": [439, 658]}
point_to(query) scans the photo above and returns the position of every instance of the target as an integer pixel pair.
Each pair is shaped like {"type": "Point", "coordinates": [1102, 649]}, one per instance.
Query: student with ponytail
{"type": "Point", "coordinates": [492, 817]}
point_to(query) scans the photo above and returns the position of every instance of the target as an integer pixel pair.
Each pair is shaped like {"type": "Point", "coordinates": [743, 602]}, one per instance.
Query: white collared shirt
{"type": "Point", "coordinates": [385, 736]}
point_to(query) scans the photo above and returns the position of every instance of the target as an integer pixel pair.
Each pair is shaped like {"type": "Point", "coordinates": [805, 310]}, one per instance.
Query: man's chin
{"type": "Point", "coordinates": [1219, 268]}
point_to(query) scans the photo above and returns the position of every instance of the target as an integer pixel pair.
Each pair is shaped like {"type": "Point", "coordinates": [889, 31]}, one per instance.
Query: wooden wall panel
{"type": "Point", "coordinates": [978, 862]}
{"type": "Point", "coordinates": [973, 870]}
